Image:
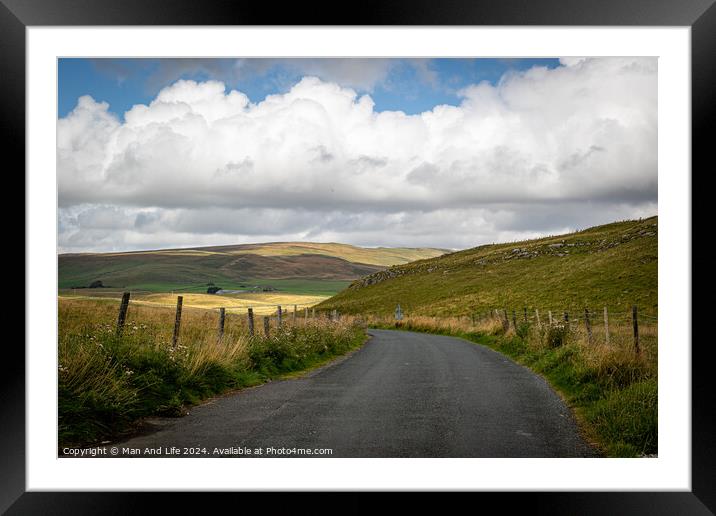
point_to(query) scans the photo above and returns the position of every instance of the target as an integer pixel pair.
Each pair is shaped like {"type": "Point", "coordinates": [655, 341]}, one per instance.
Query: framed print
{"type": "Point", "coordinates": [416, 250]}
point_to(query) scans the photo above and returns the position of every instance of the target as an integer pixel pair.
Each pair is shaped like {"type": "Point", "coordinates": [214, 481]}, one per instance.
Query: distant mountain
{"type": "Point", "coordinates": [613, 265]}
{"type": "Point", "coordinates": [233, 266]}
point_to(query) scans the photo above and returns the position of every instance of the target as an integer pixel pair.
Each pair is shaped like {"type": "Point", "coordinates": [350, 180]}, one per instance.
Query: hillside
{"type": "Point", "coordinates": [613, 265]}
{"type": "Point", "coordinates": [293, 266]}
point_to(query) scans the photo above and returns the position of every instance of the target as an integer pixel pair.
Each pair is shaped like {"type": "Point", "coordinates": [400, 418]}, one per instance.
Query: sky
{"type": "Point", "coordinates": [450, 153]}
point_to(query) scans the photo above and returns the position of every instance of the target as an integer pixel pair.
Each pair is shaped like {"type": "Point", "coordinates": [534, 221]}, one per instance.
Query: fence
{"type": "Point", "coordinates": [598, 325]}
{"type": "Point", "coordinates": [280, 317]}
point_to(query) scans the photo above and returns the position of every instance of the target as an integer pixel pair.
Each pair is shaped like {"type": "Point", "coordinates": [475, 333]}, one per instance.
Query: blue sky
{"type": "Point", "coordinates": [408, 85]}
{"type": "Point", "coordinates": [542, 146]}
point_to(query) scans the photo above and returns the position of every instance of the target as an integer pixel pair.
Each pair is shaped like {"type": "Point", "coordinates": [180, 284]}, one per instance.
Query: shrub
{"type": "Point", "coordinates": [556, 334]}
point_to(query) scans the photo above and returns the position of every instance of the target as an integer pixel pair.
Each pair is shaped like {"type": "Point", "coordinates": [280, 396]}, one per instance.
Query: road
{"type": "Point", "coordinates": [403, 394]}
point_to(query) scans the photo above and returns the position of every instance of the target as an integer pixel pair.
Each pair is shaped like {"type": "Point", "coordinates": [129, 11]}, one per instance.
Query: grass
{"type": "Point", "coordinates": [107, 383]}
{"type": "Point", "coordinates": [614, 265]}
{"type": "Point", "coordinates": [612, 390]}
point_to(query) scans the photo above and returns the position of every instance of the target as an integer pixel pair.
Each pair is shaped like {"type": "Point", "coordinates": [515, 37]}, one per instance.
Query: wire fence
{"type": "Point", "coordinates": [596, 324]}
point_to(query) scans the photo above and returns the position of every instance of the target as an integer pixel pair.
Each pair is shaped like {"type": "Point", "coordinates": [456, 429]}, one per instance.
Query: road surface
{"type": "Point", "coordinates": [403, 394]}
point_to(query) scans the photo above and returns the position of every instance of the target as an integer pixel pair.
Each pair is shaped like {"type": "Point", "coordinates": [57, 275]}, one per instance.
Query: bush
{"type": "Point", "coordinates": [556, 334]}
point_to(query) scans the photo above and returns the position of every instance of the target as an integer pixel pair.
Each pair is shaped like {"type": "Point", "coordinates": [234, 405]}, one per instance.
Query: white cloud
{"type": "Point", "coordinates": [319, 161]}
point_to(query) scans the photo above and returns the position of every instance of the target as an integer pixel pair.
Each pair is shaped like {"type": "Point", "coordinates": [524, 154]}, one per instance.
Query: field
{"type": "Point", "coordinates": [263, 303]}
{"type": "Point", "coordinates": [108, 383]}
{"type": "Point", "coordinates": [614, 265]}
{"type": "Point", "coordinates": [292, 286]}
{"type": "Point", "coordinates": [305, 268]}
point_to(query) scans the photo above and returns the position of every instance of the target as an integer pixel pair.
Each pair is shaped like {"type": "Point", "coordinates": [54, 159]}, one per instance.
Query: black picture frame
{"type": "Point", "coordinates": [16, 15]}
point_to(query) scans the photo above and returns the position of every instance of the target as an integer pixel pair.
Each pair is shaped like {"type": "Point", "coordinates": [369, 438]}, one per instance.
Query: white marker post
{"type": "Point", "coordinates": [398, 313]}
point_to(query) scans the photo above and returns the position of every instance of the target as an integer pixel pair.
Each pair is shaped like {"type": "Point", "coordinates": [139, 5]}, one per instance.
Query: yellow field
{"type": "Point", "coordinates": [263, 303]}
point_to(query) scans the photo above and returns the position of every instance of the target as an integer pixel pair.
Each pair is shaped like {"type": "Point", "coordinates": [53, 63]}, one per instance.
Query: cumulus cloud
{"type": "Point", "coordinates": [542, 150]}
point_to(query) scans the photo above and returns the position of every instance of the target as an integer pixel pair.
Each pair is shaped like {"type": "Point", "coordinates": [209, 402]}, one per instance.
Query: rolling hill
{"type": "Point", "coordinates": [289, 266]}
{"type": "Point", "coordinates": [612, 265]}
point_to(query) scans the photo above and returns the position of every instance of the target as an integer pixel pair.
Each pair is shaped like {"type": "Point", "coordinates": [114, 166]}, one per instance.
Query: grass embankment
{"type": "Point", "coordinates": [108, 383]}
{"type": "Point", "coordinates": [614, 265]}
{"type": "Point", "coordinates": [612, 390]}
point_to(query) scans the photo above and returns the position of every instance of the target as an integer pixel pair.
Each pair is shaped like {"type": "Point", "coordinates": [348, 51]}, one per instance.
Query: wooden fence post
{"type": "Point", "coordinates": [606, 325]}
{"type": "Point", "coordinates": [279, 316]}
{"type": "Point", "coordinates": [251, 322]}
{"type": "Point", "coordinates": [305, 314]}
{"type": "Point", "coordinates": [294, 314]}
{"type": "Point", "coordinates": [539, 323]}
{"type": "Point", "coordinates": [222, 320]}
{"type": "Point", "coordinates": [122, 313]}
{"type": "Point", "coordinates": [566, 320]}
{"type": "Point", "coordinates": [506, 321]}
{"type": "Point", "coordinates": [549, 313]}
{"type": "Point", "coordinates": [524, 309]}
{"type": "Point", "coordinates": [588, 325]}
{"type": "Point", "coordinates": [177, 321]}
{"type": "Point", "coordinates": [266, 325]}
{"type": "Point", "coordinates": [335, 315]}
{"type": "Point", "coordinates": [635, 320]}
{"type": "Point", "coordinates": [313, 313]}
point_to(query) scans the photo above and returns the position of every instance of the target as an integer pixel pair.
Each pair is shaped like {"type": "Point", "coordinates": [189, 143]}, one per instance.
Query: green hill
{"type": "Point", "coordinates": [614, 265]}
{"type": "Point", "coordinates": [290, 266]}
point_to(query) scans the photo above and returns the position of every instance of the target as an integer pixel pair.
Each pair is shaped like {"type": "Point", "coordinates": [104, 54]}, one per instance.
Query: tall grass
{"type": "Point", "coordinates": [612, 388]}
{"type": "Point", "coordinates": [108, 382]}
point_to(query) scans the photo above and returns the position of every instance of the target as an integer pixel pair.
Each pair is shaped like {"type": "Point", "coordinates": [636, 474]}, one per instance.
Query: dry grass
{"type": "Point", "coordinates": [108, 381]}
{"type": "Point", "coordinates": [596, 349]}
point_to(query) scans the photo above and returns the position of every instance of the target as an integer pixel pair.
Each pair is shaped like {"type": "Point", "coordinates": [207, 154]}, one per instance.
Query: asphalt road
{"type": "Point", "coordinates": [402, 395]}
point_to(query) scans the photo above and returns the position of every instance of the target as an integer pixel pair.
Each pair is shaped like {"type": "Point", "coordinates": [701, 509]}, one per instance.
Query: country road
{"type": "Point", "coordinates": [402, 395]}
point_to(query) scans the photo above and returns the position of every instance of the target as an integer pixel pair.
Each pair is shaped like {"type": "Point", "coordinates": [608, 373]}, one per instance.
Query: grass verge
{"type": "Point", "coordinates": [107, 383]}
{"type": "Point", "coordinates": [611, 389]}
